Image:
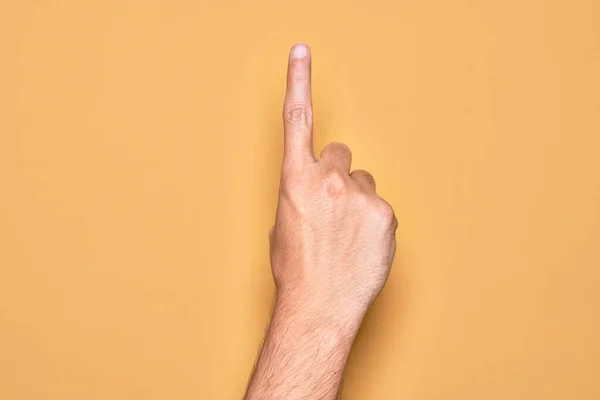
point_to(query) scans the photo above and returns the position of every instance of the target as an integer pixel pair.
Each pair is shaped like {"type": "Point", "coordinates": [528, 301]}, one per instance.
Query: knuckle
{"type": "Point", "coordinates": [332, 173]}
{"type": "Point", "coordinates": [299, 71]}
{"type": "Point", "coordinates": [297, 114]}
{"type": "Point", "coordinates": [384, 213]}
{"type": "Point", "coordinates": [362, 198]}
{"type": "Point", "coordinates": [334, 182]}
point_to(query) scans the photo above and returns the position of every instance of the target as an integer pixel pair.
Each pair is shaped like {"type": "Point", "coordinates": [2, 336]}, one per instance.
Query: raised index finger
{"type": "Point", "coordinates": [297, 110]}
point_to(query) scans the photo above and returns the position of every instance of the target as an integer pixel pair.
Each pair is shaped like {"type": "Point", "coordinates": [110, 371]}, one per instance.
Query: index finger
{"type": "Point", "coordinates": [297, 110]}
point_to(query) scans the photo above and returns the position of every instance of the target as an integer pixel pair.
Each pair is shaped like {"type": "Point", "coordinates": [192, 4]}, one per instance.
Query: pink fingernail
{"type": "Point", "coordinates": [300, 50]}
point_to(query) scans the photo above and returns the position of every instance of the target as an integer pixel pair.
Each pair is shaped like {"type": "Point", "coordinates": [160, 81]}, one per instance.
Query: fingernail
{"type": "Point", "coordinates": [300, 50]}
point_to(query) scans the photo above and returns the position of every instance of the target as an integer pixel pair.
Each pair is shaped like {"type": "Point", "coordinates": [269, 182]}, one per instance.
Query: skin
{"type": "Point", "coordinates": [332, 248]}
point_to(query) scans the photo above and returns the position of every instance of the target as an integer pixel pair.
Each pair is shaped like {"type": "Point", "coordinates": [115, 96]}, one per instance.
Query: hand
{"type": "Point", "coordinates": [331, 251]}
{"type": "Point", "coordinates": [333, 241]}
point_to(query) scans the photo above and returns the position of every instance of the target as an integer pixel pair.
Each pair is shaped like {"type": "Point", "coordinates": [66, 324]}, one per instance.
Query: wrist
{"type": "Point", "coordinates": [331, 319]}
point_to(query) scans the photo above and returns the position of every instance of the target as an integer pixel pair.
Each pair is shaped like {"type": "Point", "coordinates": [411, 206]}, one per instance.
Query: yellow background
{"type": "Point", "coordinates": [139, 155]}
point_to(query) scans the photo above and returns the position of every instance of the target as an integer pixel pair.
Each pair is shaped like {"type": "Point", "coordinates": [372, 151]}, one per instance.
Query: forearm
{"type": "Point", "coordinates": [303, 355]}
